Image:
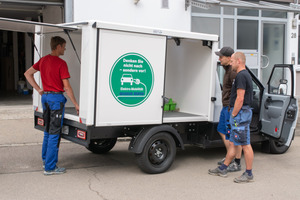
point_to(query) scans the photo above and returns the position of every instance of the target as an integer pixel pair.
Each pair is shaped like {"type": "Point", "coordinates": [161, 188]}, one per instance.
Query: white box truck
{"type": "Point", "coordinates": [123, 75]}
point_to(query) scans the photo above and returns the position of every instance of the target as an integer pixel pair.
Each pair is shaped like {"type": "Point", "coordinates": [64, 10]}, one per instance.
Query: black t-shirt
{"type": "Point", "coordinates": [242, 81]}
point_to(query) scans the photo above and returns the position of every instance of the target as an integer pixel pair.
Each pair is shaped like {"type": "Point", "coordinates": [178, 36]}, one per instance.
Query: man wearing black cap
{"type": "Point", "coordinates": [223, 126]}
{"type": "Point", "coordinates": [241, 115]}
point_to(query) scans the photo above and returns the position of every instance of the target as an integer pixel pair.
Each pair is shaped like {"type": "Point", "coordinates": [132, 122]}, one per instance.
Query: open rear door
{"type": "Point", "coordinates": [31, 26]}
{"type": "Point", "coordinates": [279, 107]}
{"type": "Point", "coordinates": [38, 32]}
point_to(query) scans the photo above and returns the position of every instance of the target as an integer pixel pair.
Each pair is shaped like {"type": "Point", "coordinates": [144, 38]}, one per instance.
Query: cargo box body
{"type": "Point", "coordinates": [124, 75]}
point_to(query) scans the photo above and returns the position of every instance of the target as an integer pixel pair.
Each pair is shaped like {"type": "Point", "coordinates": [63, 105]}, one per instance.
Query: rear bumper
{"type": "Point", "coordinates": [72, 131]}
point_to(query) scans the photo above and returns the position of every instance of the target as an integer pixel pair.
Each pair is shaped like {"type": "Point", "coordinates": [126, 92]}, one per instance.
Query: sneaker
{"type": "Point", "coordinates": [222, 161]}
{"type": "Point", "coordinates": [234, 167]}
{"type": "Point", "coordinates": [218, 172]}
{"type": "Point", "coordinates": [244, 178]}
{"type": "Point", "coordinates": [57, 170]}
{"type": "Point", "coordinates": [43, 164]}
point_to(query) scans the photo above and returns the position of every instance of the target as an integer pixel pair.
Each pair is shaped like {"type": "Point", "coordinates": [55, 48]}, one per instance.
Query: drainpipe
{"type": "Point", "coordinates": [68, 11]}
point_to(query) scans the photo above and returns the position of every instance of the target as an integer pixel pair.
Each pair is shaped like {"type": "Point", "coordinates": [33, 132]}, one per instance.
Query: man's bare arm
{"type": "Point", "coordinates": [29, 76]}
{"type": "Point", "coordinates": [238, 104]}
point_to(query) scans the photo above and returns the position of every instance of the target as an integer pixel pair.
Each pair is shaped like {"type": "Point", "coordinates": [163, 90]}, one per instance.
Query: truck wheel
{"type": "Point", "coordinates": [158, 154]}
{"type": "Point", "coordinates": [102, 145]}
{"type": "Point", "coordinates": [277, 147]}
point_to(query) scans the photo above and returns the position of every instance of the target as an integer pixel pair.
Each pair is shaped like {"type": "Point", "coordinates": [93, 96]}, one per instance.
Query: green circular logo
{"type": "Point", "coordinates": [131, 79]}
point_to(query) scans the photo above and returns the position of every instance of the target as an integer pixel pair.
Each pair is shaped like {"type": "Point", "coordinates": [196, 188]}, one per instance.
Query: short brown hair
{"type": "Point", "coordinates": [56, 40]}
{"type": "Point", "coordinates": [241, 56]}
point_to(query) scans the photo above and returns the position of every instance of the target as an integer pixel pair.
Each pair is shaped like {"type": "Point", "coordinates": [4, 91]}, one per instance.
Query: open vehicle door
{"type": "Point", "coordinates": [40, 34]}
{"type": "Point", "coordinates": [279, 108]}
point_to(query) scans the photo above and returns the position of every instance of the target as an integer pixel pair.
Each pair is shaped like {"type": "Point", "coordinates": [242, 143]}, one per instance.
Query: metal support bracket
{"type": "Point", "coordinates": [67, 32]}
{"type": "Point", "coordinates": [202, 5]}
{"type": "Point", "coordinates": [187, 4]}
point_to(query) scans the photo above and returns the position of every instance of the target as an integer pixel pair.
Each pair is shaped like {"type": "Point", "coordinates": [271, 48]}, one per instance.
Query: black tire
{"type": "Point", "coordinates": [102, 145]}
{"type": "Point", "coordinates": [158, 154]}
{"type": "Point", "coordinates": [277, 147]}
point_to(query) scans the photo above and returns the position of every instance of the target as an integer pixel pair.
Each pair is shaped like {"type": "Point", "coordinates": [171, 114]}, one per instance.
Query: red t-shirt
{"type": "Point", "coordinates": [53, 70]}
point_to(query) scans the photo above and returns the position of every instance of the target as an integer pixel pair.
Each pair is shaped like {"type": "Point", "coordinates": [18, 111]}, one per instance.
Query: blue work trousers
{"type": "Point", "coordinates": [53, 113]}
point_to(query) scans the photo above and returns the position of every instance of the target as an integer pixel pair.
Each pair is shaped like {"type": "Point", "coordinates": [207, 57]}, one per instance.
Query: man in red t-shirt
{"type": "Point", "coordinates": [55, 80]}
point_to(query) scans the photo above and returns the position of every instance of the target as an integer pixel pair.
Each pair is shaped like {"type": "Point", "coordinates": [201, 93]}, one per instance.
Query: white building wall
{"type": "Point", "coordinates": [291, 56]}
{"type": "Point", "coordinates": [144, 13]}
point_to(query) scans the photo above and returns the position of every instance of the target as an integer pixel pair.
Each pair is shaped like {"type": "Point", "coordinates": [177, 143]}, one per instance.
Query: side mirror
{"type": "Point", "coordinates": [283, 81]}
{"type": "Point", "coordinates": [282, 89]}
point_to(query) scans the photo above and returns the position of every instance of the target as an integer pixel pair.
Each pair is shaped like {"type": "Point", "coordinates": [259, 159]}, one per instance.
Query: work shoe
{"type": "Point", "coordinates": [244, 178]}
{"type": "Point", "coordinates": [57, 170]}
{"type": "Point", "coordinates": [234, 167]}
{"type": "Point", "coordinates": [218, 172]}
{"type": "Point", "coordinates": [222, 161]}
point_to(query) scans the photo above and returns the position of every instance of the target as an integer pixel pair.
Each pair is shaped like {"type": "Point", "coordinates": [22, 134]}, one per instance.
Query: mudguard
{"type": "Point", "coordinates": [137, 143]}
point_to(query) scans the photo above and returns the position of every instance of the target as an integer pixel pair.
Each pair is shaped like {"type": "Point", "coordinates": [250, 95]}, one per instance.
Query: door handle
{"type": "Point", "coordinates": [268, 101]}
{"type": "Point", "coordinates": [268, 61]}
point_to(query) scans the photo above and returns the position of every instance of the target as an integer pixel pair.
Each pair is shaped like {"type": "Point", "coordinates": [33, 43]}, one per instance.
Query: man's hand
{"type": "Point", "coordinates": [77, 108]}
{"type": "Point", "coordinates": [41, 92]}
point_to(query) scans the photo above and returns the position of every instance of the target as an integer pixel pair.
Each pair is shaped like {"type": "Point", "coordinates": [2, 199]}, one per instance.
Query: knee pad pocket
{"type": "Point", "coordinates": [46, 116]}
{"type": "Point", "coordinates": [56, 117]}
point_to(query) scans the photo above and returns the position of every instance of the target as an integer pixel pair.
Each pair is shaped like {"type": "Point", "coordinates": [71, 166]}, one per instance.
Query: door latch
{"type": "Point", "coordinates": [268, 101]}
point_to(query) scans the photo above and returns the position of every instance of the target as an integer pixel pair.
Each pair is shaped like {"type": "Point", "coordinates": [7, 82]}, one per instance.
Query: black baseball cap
{"type": "Point", "coordinates": [225, 51]}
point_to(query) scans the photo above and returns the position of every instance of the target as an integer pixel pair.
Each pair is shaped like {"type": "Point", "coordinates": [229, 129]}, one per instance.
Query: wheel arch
{"type": "Point", "coordinates": [137, 143]}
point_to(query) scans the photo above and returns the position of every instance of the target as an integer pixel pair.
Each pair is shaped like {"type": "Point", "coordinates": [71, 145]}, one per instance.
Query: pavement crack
{"type": "Point", "coordinates": [90, 185]}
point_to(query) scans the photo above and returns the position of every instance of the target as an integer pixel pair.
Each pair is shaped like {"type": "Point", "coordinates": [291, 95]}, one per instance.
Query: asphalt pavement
{"type": "Point", "coordinates": [115, 176]}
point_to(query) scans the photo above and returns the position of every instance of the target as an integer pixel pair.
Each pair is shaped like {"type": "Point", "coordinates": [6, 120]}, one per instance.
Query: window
{"type": "Point", "coordinates": [254, 71]}
{"type": "Point", "coordinates": [299, 46]}
{"type": "Point", "coordinates": [256, 101]}
{"type": "Point", "coordinates": [247, 34]}
{"type": "Point", "coordinates": [247, 12]}
{"type": "Point", "coordinates": [221, 72]}
{"type": "Point", "coordinates": [280, 82]}
{"type": "Point", "coordinates": [274, 14]}
{"type": "Point", "coordinates": [228, 34]}
{"type": "Point", "coordinates": [165, 4]}
{"type": "Point", "coordinates": [212, 10]}
{"type": "Point", "coordinates": [228, 11]}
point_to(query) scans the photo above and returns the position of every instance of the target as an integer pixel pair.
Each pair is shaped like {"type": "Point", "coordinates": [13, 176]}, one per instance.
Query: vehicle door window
{"type": "Point", "coordinates": [280, 82]}
{"type": "Point", "coordinates": [221, 72]}
{"type": "Point", "coordinates": [255, 106]}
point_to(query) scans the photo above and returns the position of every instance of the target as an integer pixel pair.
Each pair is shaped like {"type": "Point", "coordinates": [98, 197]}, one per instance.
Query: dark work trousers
{"type": "Point", "coordinates": [53, 113]}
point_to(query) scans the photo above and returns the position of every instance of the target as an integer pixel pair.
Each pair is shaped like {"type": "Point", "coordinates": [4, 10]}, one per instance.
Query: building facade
{"type": "Point", "coordinates": [268, 34]}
